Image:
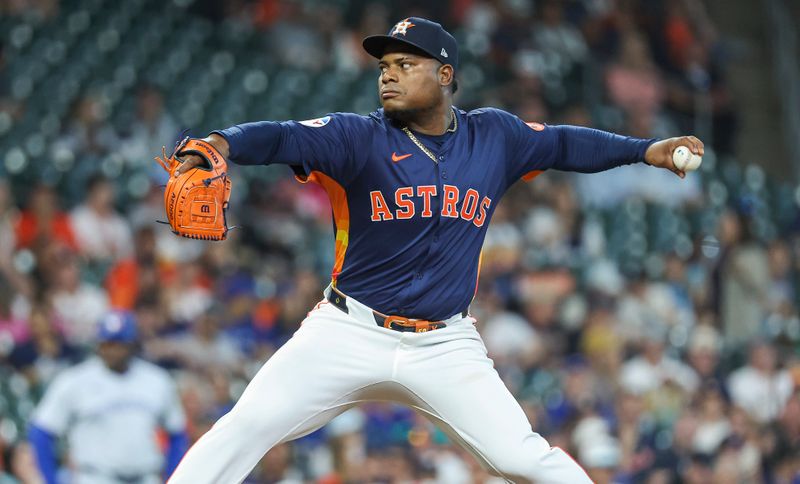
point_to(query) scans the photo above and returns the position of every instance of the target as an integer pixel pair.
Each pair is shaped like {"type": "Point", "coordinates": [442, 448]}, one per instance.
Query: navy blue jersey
{"type": "Point", "coordinates": [410, 224]}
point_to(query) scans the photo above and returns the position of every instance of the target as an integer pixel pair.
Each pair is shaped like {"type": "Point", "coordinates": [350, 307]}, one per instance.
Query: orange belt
{"type": "Point", "coordinates": [396, 323]}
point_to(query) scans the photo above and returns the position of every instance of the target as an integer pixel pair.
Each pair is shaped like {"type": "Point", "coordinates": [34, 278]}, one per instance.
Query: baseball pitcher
{"type": "Point", "coordinates": [413, 187]}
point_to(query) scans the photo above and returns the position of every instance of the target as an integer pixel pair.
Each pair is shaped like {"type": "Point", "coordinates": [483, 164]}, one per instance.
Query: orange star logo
{"type": "Point", "coordinates": [402, 27]}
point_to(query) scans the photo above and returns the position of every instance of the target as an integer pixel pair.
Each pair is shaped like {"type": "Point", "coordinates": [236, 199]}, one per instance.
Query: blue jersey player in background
{"type": "Point", "coordinates": [413, 187]}
{"type": "Point", "coordinates": [110, 409]}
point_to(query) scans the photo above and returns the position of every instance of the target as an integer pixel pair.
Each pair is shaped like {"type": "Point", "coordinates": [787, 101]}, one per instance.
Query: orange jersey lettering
{"type": "Point", "coordinates": [379, 209]}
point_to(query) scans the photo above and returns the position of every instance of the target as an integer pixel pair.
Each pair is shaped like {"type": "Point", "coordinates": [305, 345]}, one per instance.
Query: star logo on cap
{"type": "Point", "coordinates": [402, 27]}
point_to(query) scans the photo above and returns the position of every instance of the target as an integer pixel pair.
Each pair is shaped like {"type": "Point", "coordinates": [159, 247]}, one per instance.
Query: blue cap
{"type": "Point", "coordinates": [119, 326]}
{"type": "Point", "coordinates": [421, 33]}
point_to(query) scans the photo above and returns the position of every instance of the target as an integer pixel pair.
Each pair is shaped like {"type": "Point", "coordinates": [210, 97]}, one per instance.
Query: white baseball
{"type": "Point", "coordinates": [685, 160]}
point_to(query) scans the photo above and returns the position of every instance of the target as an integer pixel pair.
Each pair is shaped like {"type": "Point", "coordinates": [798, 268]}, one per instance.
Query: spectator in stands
{"type": "Point", "coordinates": [560, 41]}
{"type": "Point", "coordinates": [740, 453]}
{"type": "Point", "coordinates": [713, 426]}
{"type": "Point", "coordinates": [633, 81]}
{"type": "Point", "coordinates": [690, 40]}
{"type": "Point", "coordinates": [278, 466]}
{"type": "Point", "coordinates": [43, 221]}
{"type": "Point", "coordinates": [651, 368]}
{"type": "Point", "coordinates": [296, 41]}
{"type": "Point", "coordinates": [781, 289]}
{"type": "Point", "coordinates": [547, 236]}
{"type": "Point", "coordinates": [703, 352]}
{"type": "Point", "coordinates": [676, 285]}
{"type": "Point", "coordinates": [601, 459]}
{"type": "Point", "coordinates": [744, 279]}
{"type": "Point", "coordinates": [45, 353]}
{"type": "Point", "coordinates": [509, 337]}
{"type": "Point", "coordinates": [348, 54]}
{"type": "Point", "coordinates": [152, 128]}
{"type": "Point", "coordinates": [782, 444]}
{"type": "Point", "coordinates": [102, 234]}
{"type": "Point", "coordinates": [188, 295]}
{"type": "Point", "coordinates": [761, 388]}
{"type": "Point", "coordinates": [204, 348]}
{"type": "Point", "coordinates": [698, 469]}
{"type": "Point", "coordinates": [136, 277]}
{"type": "Point", "coordinates": [78, 303]}
{"type": "Point", "coordinates": [635, 313]}
{"type": "Point", "coordinates": [633, 429]}
{"type": "Point", "coordinates": [88, 133]}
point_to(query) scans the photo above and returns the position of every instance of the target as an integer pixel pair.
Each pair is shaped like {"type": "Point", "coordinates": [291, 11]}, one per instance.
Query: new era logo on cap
{"type": "Point", "coordinates": [443, 53]}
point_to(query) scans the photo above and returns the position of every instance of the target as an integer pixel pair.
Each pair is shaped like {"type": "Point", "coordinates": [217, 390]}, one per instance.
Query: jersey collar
{"type": "Point", "coordinates": [453, 125]}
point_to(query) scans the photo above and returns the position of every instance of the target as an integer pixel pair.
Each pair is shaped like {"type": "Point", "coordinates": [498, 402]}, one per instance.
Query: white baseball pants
{"type": "Point", "coordinates": [337, 360]}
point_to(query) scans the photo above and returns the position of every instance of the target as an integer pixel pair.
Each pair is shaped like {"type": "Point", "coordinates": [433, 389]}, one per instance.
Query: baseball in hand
{"type": "Point", "coordinates": [685, 160]}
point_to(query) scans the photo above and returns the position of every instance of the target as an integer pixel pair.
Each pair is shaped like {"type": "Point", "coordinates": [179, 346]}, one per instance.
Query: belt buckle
{"type": "Point", "coordinates": [400, 320]}
{"type": "Point", "coordinates": [406, 324]}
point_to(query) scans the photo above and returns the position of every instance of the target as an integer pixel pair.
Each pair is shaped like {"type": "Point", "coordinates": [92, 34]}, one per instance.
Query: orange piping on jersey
{"type": "Point", "coordinates": [341, 216]}
{"type": "Point", "coordinates": [478, 277]}
{"type": "Point", "coordinates": [531, 175]}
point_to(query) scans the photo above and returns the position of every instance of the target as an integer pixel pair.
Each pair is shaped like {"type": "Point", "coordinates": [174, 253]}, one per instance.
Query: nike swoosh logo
{"type": "Point", "coordinates": [396, 158]}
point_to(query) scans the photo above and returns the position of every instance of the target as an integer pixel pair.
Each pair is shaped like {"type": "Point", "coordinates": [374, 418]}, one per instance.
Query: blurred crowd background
{"type": "Point", "coordinates": [646, 324]}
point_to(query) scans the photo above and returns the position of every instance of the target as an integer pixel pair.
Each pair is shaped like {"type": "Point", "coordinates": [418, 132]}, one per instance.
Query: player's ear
{"type": "Point", "coordinates": [446, 75]}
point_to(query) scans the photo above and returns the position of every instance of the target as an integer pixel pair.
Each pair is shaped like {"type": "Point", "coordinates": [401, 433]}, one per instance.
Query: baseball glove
{"type": "Point", "coordinates": [196, 200]}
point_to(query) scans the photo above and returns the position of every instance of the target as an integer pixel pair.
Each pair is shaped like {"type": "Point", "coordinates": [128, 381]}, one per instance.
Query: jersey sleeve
{"type": "Point", "coordinates": [329, 144]}
{"type": "Point", "coordinates": [55, 409]}
{"type": "Point", "coordinates": [535, 147]}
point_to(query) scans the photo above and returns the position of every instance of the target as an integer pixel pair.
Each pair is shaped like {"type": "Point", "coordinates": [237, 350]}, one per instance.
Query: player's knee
{"type": "Point", "coordinates": [267, 422]}
{"type": "Point", "coordinates": [244, 421]}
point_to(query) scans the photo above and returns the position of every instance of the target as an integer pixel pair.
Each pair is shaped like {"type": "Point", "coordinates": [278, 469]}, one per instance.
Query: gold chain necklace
{"type": "Point", "coordinates": [423, 147]}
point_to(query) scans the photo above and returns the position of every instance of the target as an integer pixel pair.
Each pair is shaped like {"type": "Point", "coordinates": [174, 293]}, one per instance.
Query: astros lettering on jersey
{"type": "Point", "coordinates": [409, 228]}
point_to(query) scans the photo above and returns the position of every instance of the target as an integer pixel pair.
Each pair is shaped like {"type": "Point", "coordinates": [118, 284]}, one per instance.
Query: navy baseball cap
{"type": "Point", "coordinates": [421, 33]}
{"type": "Point", "coordinates": [119, 326]}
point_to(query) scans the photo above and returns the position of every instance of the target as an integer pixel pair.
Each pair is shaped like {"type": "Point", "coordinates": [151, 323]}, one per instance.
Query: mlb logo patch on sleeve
{"type": "Point", "coordinates": [316, 123]}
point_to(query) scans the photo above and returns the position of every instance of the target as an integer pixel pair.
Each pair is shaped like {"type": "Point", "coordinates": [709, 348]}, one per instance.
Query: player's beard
{"type": "Point", "coordinates": [406, 116]}
{"type": "Point", "coordinates": [409, 115]}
